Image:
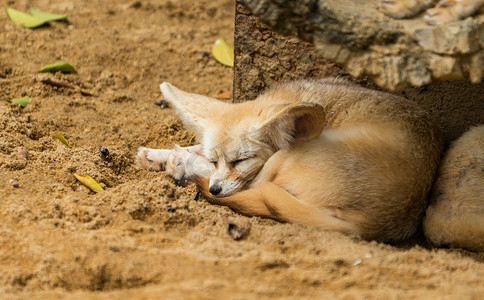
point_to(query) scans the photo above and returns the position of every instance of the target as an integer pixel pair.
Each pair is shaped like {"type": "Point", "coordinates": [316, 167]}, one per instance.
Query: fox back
{"type": "Point", "coordinates": [378, 154]}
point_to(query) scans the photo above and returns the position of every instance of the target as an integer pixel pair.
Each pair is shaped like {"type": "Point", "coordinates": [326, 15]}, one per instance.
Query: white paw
{"type": "Point", "coordinates": [152, 159]}
{"type": "Point", "coordinates": [175, 165]}
{"type": "Point", "coordinates": [184, 164]}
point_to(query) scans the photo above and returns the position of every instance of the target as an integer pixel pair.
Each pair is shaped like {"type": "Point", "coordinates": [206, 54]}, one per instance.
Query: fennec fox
{"type": "Point", "coordinates": [444, 11]}
{"type": "Point", "coordinates": [455, 216]}
{"type": "Point", "coordinates": [326, 153]}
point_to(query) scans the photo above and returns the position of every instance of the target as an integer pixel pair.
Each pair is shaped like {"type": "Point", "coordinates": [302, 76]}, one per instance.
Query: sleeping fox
{"type": "Point", "coordinates": [325, 153]}
{"type": "Point", "coordinates": [444, 11]}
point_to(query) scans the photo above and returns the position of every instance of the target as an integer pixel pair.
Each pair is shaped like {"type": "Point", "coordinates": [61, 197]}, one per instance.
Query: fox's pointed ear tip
{"type": "Point", "coordinates": [165, 85]}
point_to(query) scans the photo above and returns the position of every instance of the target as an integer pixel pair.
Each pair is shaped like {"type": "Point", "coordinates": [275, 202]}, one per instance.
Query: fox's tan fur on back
{"type": "Point", "coordinates": [325, 153]}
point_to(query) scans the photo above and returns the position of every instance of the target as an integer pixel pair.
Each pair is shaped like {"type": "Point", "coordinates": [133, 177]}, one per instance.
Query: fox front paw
{"type": "Point", "coordinates": [176, 165]}
{"type": "Point", "coordinates": [184, 164]}
{"type": "Point", "coordinates": [152, 159]}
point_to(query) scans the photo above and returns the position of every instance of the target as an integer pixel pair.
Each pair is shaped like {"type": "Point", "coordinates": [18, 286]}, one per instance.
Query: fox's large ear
{"type": "Point", "coordinates": [194, 110]}
{"type": "Point", "coordinates": [295, 122]}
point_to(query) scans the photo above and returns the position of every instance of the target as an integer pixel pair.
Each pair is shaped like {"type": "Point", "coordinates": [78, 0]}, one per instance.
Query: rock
{"type": "Point", "coordinates": [393, 53]}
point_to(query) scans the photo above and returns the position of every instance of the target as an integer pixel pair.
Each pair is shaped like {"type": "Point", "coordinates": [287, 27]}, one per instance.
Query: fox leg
{"type": "Point", "coordinates": [178, 162]}
{"type": "Point", "coordinates": [451, 10]}
{"type": "Point", "coordinates": [183, 164]}
{"type": "Point", "coordinates": [399, 9]}
{"type": "Point", "coordinates": [266, 199]}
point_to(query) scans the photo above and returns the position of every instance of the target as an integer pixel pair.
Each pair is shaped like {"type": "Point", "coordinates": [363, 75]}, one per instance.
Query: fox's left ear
{"type": "Point", "coordinates": [295, 122]}
{"type": "Point", "coordinates": [196, 111]}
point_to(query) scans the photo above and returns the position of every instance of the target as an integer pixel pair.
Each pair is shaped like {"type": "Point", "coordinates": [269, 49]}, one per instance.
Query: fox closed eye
{"type": "Point", "coordinates": [236, 162]}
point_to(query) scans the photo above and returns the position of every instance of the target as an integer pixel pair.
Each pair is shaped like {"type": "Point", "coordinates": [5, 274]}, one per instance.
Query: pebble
{"type": "Point", "coordinates": [22, 153]}
{"type": "Point", "coordinates": [161, 103]}
{"type": "Point", "coordinates": [15, 184]}
{"type": "Point", "coordinates": [104, 151]}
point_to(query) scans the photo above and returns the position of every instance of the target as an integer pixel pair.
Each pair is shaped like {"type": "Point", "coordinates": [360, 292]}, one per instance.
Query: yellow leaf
{"type": "Point", "coordinates": [58, 66]}
{"type": "Point", "coordinates": [62, 139]}
{"type": "Point", "coordinates": [223, 52]}
{"type": "Point", "coordinates": [24, 101]}
{"type": "Point", "coordinates": [47, 17]}
{"type": "Point", "coordinates": [89, 182]}
{"type": "Point", "coordinates": [23, 19]}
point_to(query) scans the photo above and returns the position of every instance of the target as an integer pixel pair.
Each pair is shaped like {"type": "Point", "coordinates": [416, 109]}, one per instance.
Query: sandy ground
{"type": "Point", "coordinates": [145, 237]}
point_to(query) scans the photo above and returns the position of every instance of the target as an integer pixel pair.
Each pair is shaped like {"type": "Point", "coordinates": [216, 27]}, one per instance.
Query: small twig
{"type": "Point", "coordinates": [65, 85]}
{"type": "Point", "coordinates": [56, 83]}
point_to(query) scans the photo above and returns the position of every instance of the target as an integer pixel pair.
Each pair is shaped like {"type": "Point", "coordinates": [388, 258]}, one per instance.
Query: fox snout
{"type": "Point", "coordinates": [224, 181]}
{"type": "Point", "coordinates": [215, 189]}
{"type": "Point", "coordinates": [223, 187]}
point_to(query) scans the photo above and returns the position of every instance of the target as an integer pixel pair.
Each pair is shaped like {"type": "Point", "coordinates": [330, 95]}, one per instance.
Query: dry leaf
{"type": "Point", "coordinates": [47, 17]}
{"type": "Point", "coordinates": [223, 52]}
{"type": "Point", "coordinates": [24, 101]}
{"type": "Point", "coordinates": [36, 19]}
{"type": "Point", "coordinates": [58, 66]}
{"type": "Point", "coordinates": [89, 182]}
{"type": "Point", "coordinates": [61, 138]}
{"type": "Point", "coordinates": [85, 92]}
{"type": "Point", "coordinates": [226, 95]}
{"type": "Point", "coordinates": [23, 19]}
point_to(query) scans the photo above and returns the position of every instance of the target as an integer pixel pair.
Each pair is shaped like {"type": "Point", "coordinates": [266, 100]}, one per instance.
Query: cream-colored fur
{"type": "Point", "coordinates": [455, 216]}
{"type": "Point", "coordinates": [324, 153]}
{"type": "Point", "coordinates": [444, 11]}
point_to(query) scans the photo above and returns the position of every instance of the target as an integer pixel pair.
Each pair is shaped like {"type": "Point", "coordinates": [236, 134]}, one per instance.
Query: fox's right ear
{"type": "Point", "coordinates": [195, 110]}
{"type": "Point", "coordinates": [294, 122]}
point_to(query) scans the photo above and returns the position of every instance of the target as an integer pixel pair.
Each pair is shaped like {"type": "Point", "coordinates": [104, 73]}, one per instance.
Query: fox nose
{"type": "Point", "coordinates": [215, 190]}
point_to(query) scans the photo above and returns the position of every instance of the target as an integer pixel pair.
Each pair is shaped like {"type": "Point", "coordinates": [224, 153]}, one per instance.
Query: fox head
{"type": "Point", "coordinates": [240, 138]}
